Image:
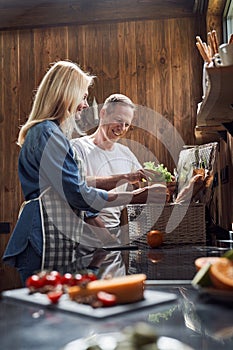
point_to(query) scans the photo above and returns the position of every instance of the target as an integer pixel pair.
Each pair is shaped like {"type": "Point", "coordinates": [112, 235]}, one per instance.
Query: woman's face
{"type": "Point", "coordinates": [84, 104]}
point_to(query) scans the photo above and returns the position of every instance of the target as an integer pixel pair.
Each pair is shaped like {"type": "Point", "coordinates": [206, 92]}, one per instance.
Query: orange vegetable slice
{"type": "Point", "coordinates": [200, 262]}
{"type": "Point", "coordinates": [221, 274]}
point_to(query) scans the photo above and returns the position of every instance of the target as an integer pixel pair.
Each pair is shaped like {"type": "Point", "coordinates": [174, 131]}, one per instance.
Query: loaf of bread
{"type": "Point", "coordinates": [127, 289]}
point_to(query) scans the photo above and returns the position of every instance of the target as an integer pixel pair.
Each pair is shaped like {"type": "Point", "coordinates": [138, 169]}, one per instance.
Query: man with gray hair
{"type": "Point", "coordinates": [109, 164]}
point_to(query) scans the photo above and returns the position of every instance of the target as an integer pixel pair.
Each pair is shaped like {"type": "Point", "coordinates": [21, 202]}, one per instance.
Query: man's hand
{"type": "Point", "coordinates": [136, 177]}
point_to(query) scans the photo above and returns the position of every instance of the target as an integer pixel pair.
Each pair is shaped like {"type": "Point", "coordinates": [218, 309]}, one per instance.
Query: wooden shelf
{"type": "Point", "coordinates": [216, 109]}
{"type": "Point", "coordinates": [210, 133]}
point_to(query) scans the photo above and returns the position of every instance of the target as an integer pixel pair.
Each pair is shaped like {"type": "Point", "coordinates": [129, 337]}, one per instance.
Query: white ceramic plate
{"type": "Point", "coordinates": [108, 341]}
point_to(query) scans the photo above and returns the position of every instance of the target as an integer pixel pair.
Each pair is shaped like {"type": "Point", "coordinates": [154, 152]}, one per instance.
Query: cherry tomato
{"type": "Point", "coordinates": [34, 281]}
{"type": "Point", "coordinates": [57, 275]}
{"type": "Point", "coordinates": [68, 279]}
{"type": "Point", "coordinates": [92, 276]}
{"type": "Point", "coordinates": [54, 296]}
{"type": "Point", "coordinates": [106, 299]}
{"type": "Point", "coordinates": [88, 277]}
{"type": "Point", "coordinates": [78, 278]}
{"type": "Point", "coordinates": [50, 280]}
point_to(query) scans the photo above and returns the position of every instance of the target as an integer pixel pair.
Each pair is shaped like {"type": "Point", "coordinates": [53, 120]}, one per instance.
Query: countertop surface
{"type": "Point", "coordinates": [200, 321]}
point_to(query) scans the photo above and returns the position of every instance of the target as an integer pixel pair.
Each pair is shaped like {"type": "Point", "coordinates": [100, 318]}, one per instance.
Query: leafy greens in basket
{"type": "Point", "coordinates": [160, 169]}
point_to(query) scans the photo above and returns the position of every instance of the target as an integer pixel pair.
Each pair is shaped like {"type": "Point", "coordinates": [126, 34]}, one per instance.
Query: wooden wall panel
{"type": "Point", "coordinates": [181, 78]}
{"type": "Point", "coordinates": [110, 60]}
{"type": "Point", "coordinates": [9, 124]}
{"type": "Point", "coordinates": [10, 194]}
{"type": "Point", "coordinates": [77, 44]}
{"type": "Point", "coordinates": [50, 45]}
{"type": "Point", "coordinates": [26, 73]}
{"type": "Point", "coordinates": [163, 82]}
{"type": "Point", "coordinates": [127, 60]}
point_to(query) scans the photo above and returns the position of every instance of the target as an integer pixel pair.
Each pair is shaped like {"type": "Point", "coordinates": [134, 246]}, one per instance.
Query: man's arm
{"type": "Point", "coordinates": [110, 182]}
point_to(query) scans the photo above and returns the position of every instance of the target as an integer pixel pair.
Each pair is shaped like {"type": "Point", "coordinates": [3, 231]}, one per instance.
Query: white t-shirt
{"type": "Point", "coordinates": [99, 162]}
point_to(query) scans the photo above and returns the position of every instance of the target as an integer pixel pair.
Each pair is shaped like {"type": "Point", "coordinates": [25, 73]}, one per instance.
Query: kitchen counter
{"type": "Point", "coordinates": [197, 320]}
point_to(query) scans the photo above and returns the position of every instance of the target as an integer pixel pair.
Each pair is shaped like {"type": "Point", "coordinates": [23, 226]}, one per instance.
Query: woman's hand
{"type": "Point", "coordinates": [155, 193]}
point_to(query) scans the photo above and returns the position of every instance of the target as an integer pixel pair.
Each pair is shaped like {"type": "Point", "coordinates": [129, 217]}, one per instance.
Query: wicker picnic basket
{"type": "Point", "coordinates": [181, 224]}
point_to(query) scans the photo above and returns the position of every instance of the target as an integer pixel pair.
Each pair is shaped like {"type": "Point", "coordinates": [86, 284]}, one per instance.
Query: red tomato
{"type": "Point", "coordinates": [92, 276]}
{"type": "Point", "coordinates": [78, 278]}
{"type": "Point", "coordinates": [54, 296]}
{"type": "Point", "coordinates": [50, 280]}
{"type": "Point", "coordinates": [34, 281]}
{"type": "Point", "coordinates": [57, 275]}
{"type": "Point", "coordinates": [106, 299]}
{"type": "Point", "coordinates": [68, 279]}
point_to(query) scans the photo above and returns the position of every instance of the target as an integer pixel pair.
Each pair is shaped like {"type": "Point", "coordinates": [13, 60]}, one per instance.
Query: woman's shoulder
{"type": "Point", "coordinates": [47, 124]}
{"type": "Point", "coordinates": [45, 127]}
{"type": "Point", "coordinates": [42, 131]}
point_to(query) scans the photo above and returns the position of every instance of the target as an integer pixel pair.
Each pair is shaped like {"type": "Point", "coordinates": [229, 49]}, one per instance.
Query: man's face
{"type": "Point", "coordinates": [116, 123]}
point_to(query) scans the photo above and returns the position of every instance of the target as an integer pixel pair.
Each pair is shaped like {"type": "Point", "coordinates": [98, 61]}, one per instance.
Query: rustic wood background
{"type": "Point", "coordinates": [154, 62]}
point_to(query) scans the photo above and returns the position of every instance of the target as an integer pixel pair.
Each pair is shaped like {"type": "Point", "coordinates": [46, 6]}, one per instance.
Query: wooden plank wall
{"type": "Point", "coordinates": [154, 62]}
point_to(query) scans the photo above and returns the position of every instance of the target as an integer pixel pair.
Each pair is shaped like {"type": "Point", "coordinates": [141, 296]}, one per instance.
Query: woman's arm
{"type": "Point", "coordinates": [151, 194]}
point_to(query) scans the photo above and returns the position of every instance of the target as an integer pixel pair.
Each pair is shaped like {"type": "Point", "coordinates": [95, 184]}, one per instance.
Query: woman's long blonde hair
{"type": "Point", "coordinates": [58, 96]}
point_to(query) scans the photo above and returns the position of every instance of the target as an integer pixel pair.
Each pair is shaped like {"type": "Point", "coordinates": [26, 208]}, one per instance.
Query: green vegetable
{"type": "Point", "coordinates": [202, 277]}
{"type": "Point", "coordinates": [228, 254]}
{"type": "Point", "coordinates": [160, 169]}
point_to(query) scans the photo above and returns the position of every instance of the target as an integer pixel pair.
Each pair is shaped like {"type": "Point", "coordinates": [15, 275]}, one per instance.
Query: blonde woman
{"type": "Point", "coordinates": [50, 232]}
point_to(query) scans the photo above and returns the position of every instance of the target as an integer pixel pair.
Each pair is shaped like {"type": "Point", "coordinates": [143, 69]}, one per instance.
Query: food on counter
{"type": "Point", "coordinates": [200, 262]}
{"type": "Point", "coordinates": [106, 299]}
{"type": "Point", "coordinates": [202, 277]}
{"type": "Point", "coordinates": [127, 289]}
{"type": "Point", "coordinates": [54, 285]}
{"type": "Point", "coordinates": [43, 281]}
{"type": "Point", "coordinates": [46, 281]}
{"type": "Point", "coordinates": [85, 288]}
{"type": "Point", "coordinates": [155, 238]}
{"type": "Point", "coordinates": [215, 272]}
{"type": "Point", "coordinates": [139, 336]}
{"type": "Point", "coordinates": [221, 274]}
{"type": "Point", "coordinates": [54, 296]}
